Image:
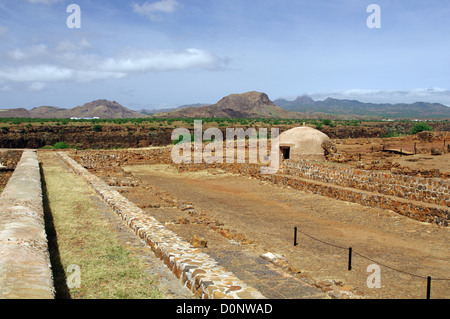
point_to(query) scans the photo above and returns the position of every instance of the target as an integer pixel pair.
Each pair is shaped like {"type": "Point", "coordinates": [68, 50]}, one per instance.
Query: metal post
{"type": "Point", "coordinates": [428, 287]}
{"type": "Point", "coordinates": [350, 258]}
{"type": "Point", "coordinates": [295, 236]}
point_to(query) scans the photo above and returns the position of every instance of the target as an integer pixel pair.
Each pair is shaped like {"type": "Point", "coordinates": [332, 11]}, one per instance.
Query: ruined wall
{"type": "Point", "coordinates": [9, 159]}
{"type": "Point", "coordinates": [429, 190]}
{"type": "Point", "coordinates": [25, 269]}
{"type": "Point", "coordinates": [420, 211]}
{"type": "Point", "coordinates": [419, 198]}
{"type": "Point", "coordinates": [197, 270]}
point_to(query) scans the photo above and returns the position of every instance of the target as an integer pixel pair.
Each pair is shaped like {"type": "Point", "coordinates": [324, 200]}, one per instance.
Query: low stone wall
{"type": "Point", "coordinates": [428, 190]}
{"type": "Point", "coordinates": [199, 272]}
{"type": "Point", "coordinates": [25, 269]}
{"type": "Point", "coordinates": [420, 211]}
{"type": "Point", "coordinates": [8, 163]}
{"type": "Point", "coordinates": [423, 199]}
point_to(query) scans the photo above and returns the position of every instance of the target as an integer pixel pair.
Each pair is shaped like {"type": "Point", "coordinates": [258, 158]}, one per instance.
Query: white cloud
{"type": "Point", "coordinates": [68, 46]}
{"type": "Point", "coordinates": [37, 86]}
{"type": "Point", "coordinates": [39, 64]}
{"type": "Point", "coordinates": [36, 73]}
{"type": "Point", "coordinates": [28, 53]}
{"type": "Point", "coordinates": [154, 60]}
{"type": "Point", "coordinates": [153, 10]}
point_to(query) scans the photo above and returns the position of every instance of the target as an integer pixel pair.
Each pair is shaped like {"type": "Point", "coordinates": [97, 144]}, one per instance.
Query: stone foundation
{"type": "Point", "coordinates": [419, 198]}
{"type": "Point", "coordinates": [25, 269]}
{"type": "Point", "coordinates": [428, 190]}
{"type": "Point", "coordinates": [199, 272]}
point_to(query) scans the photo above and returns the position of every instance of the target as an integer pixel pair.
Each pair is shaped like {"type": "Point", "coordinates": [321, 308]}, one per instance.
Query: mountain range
{"type": "Point", "coordinates": [103, 109]}
{"type": "Point", "coordinates": [357, 109]}
{"type": "Point", "coordinates": [247, 105]}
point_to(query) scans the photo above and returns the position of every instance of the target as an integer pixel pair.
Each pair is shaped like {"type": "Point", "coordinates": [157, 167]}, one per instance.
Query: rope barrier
{"type": "Point", "coordinates": [374, 261]}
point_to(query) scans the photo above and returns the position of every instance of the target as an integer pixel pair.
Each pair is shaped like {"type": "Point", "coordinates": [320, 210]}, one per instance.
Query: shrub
{"type": "Point", "coordinates": [327, 122]}
{"type": "Point", "coordinates": [97, 128]}
{"type": "Point", "coordinates": [420, 127]}
{"type": "Point", "coordinates": [5, 129]}
{"type": "Point", "coordinates": [60, 146]}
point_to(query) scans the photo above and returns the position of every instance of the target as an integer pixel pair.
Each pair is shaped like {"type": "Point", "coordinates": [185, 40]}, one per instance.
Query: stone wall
{"type": "Point", "coordinates": [8, 159]}
{"type": "Point", "coordinates": [428, 190]}
{"type": "Point", "coordinates": [424, 212]}
{"type": "Point", "coordinates": [25, 269]}
{"type": "Point", "coordinates": [199, 272]}
{"type": "Point", "coordinates": [419, 198]}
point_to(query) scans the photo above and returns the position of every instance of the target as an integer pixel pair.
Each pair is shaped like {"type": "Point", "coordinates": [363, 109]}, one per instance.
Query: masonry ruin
{"type": "Point", "coordinates": [425, 199]}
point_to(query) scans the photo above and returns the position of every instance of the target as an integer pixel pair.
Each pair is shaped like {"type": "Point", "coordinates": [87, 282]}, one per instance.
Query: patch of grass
{"type": "Point", "coordinates": [86, 239]}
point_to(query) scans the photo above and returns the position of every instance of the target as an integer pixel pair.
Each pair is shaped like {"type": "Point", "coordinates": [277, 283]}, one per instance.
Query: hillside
{"type": "Point", "coordinates": [357, 109]}
{"type": "Point", "coordinates": [166, 110]}
{"type": "Point", "coordinates": [103, 109]}
{"type": "Point", "coordinates": [49, 112]}
{"type": "Point", "coordinates": [246, 105]}
{"type": "Point", "coordinates": [15, 113]}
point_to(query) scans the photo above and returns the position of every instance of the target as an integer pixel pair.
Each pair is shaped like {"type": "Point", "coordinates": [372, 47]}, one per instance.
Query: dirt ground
{"type": "Point", "coordinates": [235, 211]}
{"type": "Point", "coordinates": [371, 149]}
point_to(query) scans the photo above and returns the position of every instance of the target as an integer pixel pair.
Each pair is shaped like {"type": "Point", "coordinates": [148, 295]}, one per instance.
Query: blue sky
{"type": "Point", "coordinates": [163, 53]}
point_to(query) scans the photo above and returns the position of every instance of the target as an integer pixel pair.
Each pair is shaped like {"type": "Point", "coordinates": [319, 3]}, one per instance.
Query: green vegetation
{"type": "Point", "coordinates": [61, 146]}
{"type": "Point", "coordinates": [58, 146]}
{"type": "Point", "coordinates": [156, 124]}
{"type": "Point", "coordinates": [109, 268]}
{"type": "Point", "coordinates": [420, 127]}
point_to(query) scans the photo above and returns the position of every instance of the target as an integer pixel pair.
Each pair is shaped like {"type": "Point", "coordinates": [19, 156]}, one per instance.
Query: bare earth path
{"type": "Point", "coordinates": [265, 215]}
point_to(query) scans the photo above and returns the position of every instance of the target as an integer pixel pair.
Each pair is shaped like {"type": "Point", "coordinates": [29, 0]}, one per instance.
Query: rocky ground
{"type": "Point", "coordinates": [238, 216]}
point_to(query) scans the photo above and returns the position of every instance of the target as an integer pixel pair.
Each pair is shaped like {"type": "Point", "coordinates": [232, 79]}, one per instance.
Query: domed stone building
{"type": "Point", "coordinates": [303, 143]}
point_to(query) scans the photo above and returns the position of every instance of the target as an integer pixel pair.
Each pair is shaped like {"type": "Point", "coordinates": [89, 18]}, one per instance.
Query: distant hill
{"type": "Point", "coordinates": [166, 110]}
{"type": "Point", "coordinates": [354, 108]}
{"type": "Point", "coordinates": [246, 105]}
{"type": "Point", "coordinates": [49, 112]}
{"type": "Point", "coordinates": [103, 109]}
{"type": "Point", "coordinates": [15, 113]}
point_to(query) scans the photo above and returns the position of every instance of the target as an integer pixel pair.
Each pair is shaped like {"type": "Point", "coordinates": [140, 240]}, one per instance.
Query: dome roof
{"type": "Point", "coordinates": [304, 140]}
